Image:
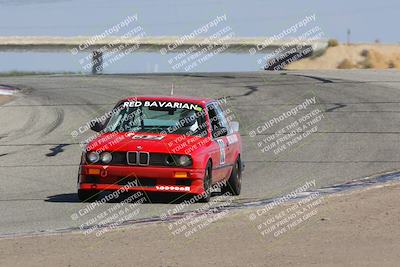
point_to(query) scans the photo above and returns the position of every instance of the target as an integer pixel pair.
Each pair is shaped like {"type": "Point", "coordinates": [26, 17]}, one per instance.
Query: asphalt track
{"type": "Point", "coordinates": [357, 137]}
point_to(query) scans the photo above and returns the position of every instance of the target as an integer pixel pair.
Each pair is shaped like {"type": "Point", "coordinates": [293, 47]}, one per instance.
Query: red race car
{"type": "Point", "coordinates": [163, 144]}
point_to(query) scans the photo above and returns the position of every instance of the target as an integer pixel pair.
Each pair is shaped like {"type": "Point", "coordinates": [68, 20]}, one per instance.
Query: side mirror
{"type": "Point", "coordinates": [96, 126]}
{"type": "Point", "coordinates": [188, 123]}
{"type": "Point", "coordinates": [221, 131]}
{"type": "Point", "coordinates": [235, 126]}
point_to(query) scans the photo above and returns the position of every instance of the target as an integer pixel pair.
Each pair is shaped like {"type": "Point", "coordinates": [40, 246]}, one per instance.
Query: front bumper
{"type": "Point", "coordinates": [138, 178]}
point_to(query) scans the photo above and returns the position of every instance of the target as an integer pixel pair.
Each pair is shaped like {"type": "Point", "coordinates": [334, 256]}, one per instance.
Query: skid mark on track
{"type": "Point", "coordinates": [315, 78]}
{"type": "Point", "coordinates": [57, 122]}
{"type": "Point", "coordinates": [250, 90]}
{"type": "Point", "coordinates": [56, 150]}
{"type": "Point", "coordinates": [26, 128]}
{"type": "Point", "coordinates": [337, 106]}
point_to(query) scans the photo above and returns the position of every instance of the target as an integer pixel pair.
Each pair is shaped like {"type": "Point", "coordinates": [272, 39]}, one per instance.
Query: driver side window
{"type": "Point", "coordinates": [216, 120]}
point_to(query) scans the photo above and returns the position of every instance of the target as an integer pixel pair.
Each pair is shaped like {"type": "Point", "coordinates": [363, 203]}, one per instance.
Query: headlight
{"type": "Point", "coordinates": [106, 157]}
{"type": "Point", "coordinates": [93, 157]}
{"type": "Point", "coordinates": [178, 160]}
{"type": "Point", "coordinates": [184, 160]}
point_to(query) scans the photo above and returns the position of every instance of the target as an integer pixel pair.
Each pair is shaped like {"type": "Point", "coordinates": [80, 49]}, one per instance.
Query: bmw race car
{"type": "Point", "coordinates": [163, 144]}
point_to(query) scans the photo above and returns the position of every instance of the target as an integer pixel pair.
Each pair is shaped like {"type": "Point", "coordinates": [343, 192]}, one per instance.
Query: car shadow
{"type": "Point", "coordinates": [150, 198]}
{"type": "Point", "coordinates": [63, 198]}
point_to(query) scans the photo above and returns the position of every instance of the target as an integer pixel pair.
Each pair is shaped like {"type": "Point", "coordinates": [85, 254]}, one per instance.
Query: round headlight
{"type": "Point", "coordinates": [93, 157]}
{"type": "Point", "coordinates": [170, 160]}
{"type": "Point", "coordinates": [106, 157]}
{"type": "Point", "coordinates": [184, 160]}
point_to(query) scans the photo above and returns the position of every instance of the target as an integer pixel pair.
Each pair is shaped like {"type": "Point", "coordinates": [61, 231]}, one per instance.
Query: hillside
{"type": "Point", "coordinates": [355, 56]}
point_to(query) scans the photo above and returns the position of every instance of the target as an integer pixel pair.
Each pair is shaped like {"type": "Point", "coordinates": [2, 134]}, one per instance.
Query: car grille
{"type": "Point", "coordinates": [138, 158]}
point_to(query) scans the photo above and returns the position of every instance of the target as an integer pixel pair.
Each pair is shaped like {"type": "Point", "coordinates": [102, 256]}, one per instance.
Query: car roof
{"type": "Point", "coordinates": [190, 99]}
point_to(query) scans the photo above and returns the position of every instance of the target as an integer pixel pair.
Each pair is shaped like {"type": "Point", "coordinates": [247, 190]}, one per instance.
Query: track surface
{"type": "Point", "coordinates": [359, 135]}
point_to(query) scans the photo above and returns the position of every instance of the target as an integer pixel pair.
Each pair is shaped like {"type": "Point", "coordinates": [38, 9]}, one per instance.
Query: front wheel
{"type": "Point", "coordinates": [207, 184]}
{"type": "Point", "coordinates": [88, 195]}
{"type": "Point", "coordinates": [234, 183]}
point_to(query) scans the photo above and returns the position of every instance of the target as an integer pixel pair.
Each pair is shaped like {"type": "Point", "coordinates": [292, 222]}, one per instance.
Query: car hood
{"type": "Point", "coordinates": [148, 142]}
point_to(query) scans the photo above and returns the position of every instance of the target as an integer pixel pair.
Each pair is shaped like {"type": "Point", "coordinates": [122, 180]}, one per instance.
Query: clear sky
{"type": "Point", "coordinates": [368, 21]}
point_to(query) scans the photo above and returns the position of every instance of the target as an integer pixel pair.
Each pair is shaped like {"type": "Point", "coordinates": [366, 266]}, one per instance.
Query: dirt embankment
{"type": "Point", "coordinates": [356, 56]}
{"type": "Point", "coordinates": [5, 98]}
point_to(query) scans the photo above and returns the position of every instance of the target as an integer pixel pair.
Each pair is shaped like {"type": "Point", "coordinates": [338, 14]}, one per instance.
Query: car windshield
{"type": "Point", "coordinates": [158, 117]}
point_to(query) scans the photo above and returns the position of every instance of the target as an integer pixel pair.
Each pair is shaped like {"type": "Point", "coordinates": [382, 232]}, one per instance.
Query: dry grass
{"type": "Point", "coordinates": [346, 64]}
{"type": "Point", "coordinates": [332, 43]}
{"type": "Point", "coordinates": [362, 56]}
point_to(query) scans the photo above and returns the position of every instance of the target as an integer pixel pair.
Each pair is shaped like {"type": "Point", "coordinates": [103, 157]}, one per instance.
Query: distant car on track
{"type": "Point", "coordinates": [163, 144]}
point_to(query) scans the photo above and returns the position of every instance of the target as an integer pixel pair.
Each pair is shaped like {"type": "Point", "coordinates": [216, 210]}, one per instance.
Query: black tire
{"type": "Point", "coordinates": [207, 183]}
{"type": "Point", "coordinates": [234, 183]}
{"type": "Point", "coordinates": [88, 195]}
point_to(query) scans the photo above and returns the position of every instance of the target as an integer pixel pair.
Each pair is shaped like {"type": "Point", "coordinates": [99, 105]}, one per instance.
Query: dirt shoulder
{"type": "Point", "coordinates": [357, 229]}
{"type": "Point", "coordinates": [355, 56]}
{"type": "Point", "coordinates": [5, 98]}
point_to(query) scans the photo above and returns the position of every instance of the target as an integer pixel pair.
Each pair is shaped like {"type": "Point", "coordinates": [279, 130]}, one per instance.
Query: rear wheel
{"type": "Point", "coordinates": [234, 183]}
{"type": "Point", "coordinates": [207, 184]}
{"type": "Point", "coordinates": [88, 195]}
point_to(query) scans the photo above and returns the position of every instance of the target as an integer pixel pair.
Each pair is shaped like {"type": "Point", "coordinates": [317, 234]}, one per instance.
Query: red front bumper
{"type": "Point", "coordinates": [152, 179]}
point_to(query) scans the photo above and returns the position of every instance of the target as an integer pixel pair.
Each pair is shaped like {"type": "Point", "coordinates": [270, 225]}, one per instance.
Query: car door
{"type": "Point", "coordinates": [230, 138]}
{"type": "Point", "coordinates": [221, 146]}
